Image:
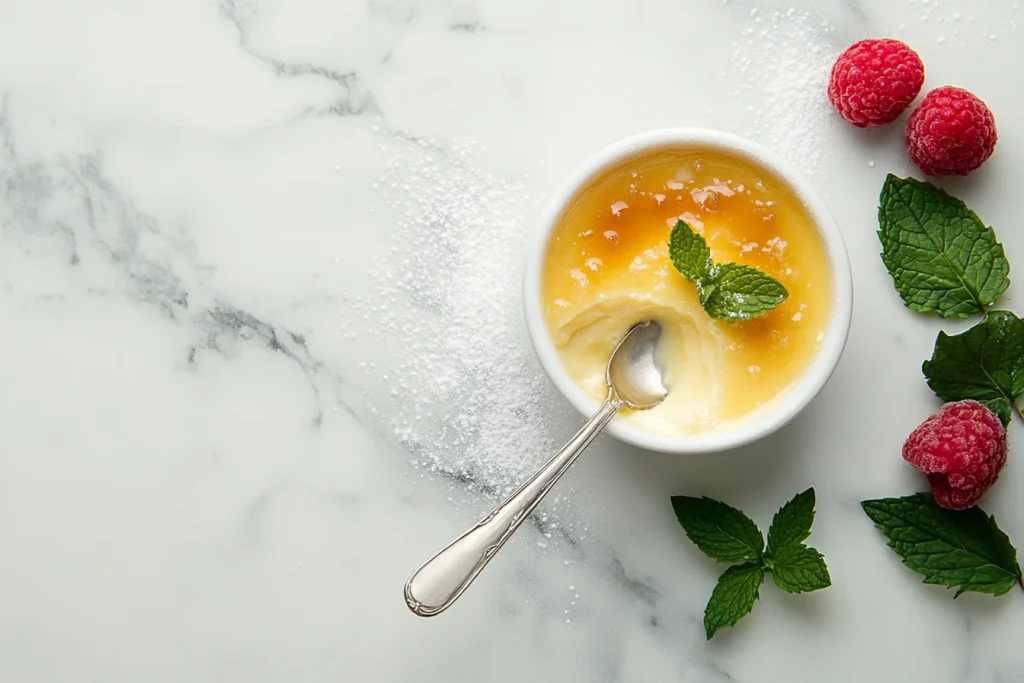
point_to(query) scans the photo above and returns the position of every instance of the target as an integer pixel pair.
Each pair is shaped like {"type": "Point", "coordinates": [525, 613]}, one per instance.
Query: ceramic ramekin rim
{"type": "Point", "coordinates": [783, 408]}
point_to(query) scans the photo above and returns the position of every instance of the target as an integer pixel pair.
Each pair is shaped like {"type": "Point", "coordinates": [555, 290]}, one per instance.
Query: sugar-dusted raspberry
{"type": "Point", "coordinates": [951, 132]}
{"type": "Point", "coordinates": [962, 449]}
{"type": "Point", "coordinates": [874, 81]}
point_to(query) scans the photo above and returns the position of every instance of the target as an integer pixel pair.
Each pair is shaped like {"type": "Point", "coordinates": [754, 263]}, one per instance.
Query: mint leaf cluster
{"type": "Point", "coordinates": [942, 258]}
{"type": "Point", "coordinates": [945, 260]}
{"type": "Point", "coordinates": [725, 534]}
{"type": "Point", "coordinates": [962, 549]}
{"type": "Point", "coordinates": [728, 291]}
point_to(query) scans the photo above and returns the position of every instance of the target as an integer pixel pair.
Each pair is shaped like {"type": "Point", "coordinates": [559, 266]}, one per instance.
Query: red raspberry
{"type": "Point", "coordinates": [874, 81]}
{"type": "Point", "coordinates": [961, 448]}
{"type": "Point", "coordinates": [951, 132]}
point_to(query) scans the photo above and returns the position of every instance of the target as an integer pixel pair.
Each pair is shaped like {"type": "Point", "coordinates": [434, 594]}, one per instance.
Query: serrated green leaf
{"type": "Point", "coordinates": [792, 523]}
{"type": "Point", "coordinates": [799, 569]}
{"type": "Point", "coordinates": [941, 257]}
{"type": "Point", "coordinates": [985, 363]}
{"type": "Point", "coordinates": [733, 598]}
{"type": "Point", "coordinates": [737, 292]}
{"type": "Point", "coordinates": [952, 548]}
{"type": "Point", "coordinates": [722, 532]}
{"type": "Point", "coordinates": [689, 252]}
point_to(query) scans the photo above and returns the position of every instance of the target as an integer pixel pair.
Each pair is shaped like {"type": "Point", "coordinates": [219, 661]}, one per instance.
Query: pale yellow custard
{"type": "Point", "coordinates": [607, 267]}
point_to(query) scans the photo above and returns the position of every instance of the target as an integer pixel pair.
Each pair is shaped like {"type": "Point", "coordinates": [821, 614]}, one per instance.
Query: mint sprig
{"type": "Point", "coordinates": [728, 291]}
{"type": "Point", "coordinates": [725, 534]}
{"type": "Point", "coordinates": [962, 549]}
{"type": "Point", "coordinates": [985, 363]}
{"type": "Point", "coordinates": [942, 258]}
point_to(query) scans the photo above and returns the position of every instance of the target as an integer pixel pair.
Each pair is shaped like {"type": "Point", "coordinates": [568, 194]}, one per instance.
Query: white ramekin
{"type": "Point", "coordinates": [780, 410]}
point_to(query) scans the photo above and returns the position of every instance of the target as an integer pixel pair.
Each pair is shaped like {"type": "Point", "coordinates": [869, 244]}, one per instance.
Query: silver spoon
{"type": "Point", "coordinates": [634, 381]}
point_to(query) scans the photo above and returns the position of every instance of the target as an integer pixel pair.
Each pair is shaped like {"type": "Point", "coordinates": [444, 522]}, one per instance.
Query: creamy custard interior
{"type": "Point", "coordinates": [607, 267]}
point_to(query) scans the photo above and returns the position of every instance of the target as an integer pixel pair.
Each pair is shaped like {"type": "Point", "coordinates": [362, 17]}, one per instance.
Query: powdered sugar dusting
{"type": "Point", "coordinates": [467, 393]}
{"type": "Point", "coordinates": [787, 56]}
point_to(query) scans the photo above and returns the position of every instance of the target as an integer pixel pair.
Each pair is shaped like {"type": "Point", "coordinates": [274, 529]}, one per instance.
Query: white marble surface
{"type": "Point", "coordinates": [210, 463]}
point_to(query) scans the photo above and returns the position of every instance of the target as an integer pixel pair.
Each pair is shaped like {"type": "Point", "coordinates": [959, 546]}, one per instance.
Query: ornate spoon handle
{"type": "Point", "coordinates": [444, 577]}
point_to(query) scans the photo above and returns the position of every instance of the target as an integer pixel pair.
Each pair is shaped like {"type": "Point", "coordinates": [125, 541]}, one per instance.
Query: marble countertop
{"type": "Point", "coordinates": [239, 240]}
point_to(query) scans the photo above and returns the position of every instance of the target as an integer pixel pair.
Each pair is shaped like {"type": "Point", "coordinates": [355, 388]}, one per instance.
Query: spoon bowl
{"type": "Point", "coordinates": [633, 372]}
{"type": "Point", "coordinates": [634, 381]}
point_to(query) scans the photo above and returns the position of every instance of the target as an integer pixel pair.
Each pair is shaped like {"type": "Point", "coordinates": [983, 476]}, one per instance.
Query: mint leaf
{"type": "Point", "coordinates": [792, 523]}
{"type": "Point", "coordinates": [940, 255]}
{"type": "Point", "coordinates": [722, 532]}
{"type": "Point", "coordinates": [961, 548]}
{"type": "Point", "coordinates": [799, 569]}
{"type": "Point", "coordinates": [733, 597]}
{"type": "Point", "coordinates": [689, 252]}
{"type": "Point", "coordinates": [985, 363]}
{"type": "Point", "coordinates": [738, 292]}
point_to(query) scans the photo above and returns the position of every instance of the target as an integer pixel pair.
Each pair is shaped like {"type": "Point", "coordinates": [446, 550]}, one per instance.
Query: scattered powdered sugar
{"type": "Point", "coordinates": [786, 56]}
{"type": "Point", "coordinates": [928, 8]}
{"type": "Point", "coordinates": [468, 401]}
{"type": "Point", "coordinates": [463, 392]}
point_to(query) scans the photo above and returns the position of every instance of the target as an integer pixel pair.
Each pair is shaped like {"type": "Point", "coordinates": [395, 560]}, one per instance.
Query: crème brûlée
{"type": "Point", "coordinates": [607, 267]}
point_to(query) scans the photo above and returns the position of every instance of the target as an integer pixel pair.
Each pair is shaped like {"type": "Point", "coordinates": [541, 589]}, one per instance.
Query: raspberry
{"type": "Point", "coordinates": [951, 132]}
{"type": "Point", "coordinates": [874, 81]}
{"type": "Point", "coordinates": [961, 448]}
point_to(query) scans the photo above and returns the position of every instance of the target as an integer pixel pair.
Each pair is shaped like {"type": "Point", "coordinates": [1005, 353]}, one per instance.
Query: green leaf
{"type": "Point", "coordinates": [940, 255]}
{"type": "Point", "coordinates": [722, 532]}
{"type": "Point", "coordinates": [689, 252]}
{"type": "Point", "coordinates": [792, 523]}
{"type": "Point", "coordinates": [961, 548]}
{"type": "Point", "coordinates": [737, 292]}
{"type": "Point", "coordinates": [799, 569]}
{"type": "Point", "coordinates": [733, 597]}
{"type": "Point", "coordinates": [985, 363]}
